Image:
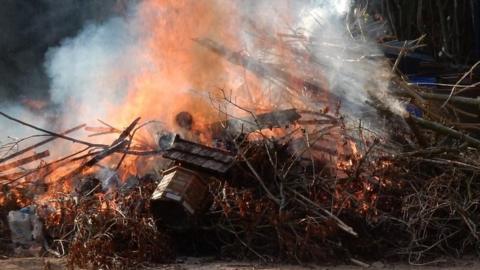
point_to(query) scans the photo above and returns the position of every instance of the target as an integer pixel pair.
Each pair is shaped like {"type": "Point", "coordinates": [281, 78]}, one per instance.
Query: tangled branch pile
{"type": "Point", "coordinates": [315, 191]}
{"type": "Point", "coordinates": [321, 189]}
{"type": "Point", "coordinates": [108, 230]}
{"type": "Point", "coordinates": [417, 204]}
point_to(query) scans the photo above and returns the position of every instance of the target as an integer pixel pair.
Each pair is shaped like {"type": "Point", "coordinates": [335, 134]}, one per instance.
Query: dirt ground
{"type": "Point", "coordinates": [202, 264]}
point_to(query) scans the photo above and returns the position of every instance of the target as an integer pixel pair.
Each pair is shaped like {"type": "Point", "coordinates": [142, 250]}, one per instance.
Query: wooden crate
{"type": "Point", "coordinates": [186, 187]}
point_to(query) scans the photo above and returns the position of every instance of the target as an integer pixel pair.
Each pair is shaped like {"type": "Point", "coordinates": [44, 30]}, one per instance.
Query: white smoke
{"type": "Point", "coordinates": [353, 65]}
{"type": "Point", "coordinates": [356, 68]}
{"type": "Point", "coordinates": [94, 70]}
{"type": "Point", "coordinates": [12, 132]}
{"type": "Point", "coordinates": [91, 72]}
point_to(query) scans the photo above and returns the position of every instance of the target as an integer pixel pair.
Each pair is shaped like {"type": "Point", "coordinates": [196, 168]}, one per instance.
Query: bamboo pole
{"type": "Point", "coordinates": [445, 130]}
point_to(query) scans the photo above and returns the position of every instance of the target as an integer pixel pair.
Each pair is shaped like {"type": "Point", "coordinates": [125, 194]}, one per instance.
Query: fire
{"type": "Point", "coordinates": [182, 76]}
{"type": "Point", "coordinates": [267, 133]}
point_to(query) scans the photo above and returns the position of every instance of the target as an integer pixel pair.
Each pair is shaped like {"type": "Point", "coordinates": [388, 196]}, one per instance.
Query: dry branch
{"type": "Point", "coordinates": [27, 149]}
{"type": "Point", "coordinates": [445, 130]}
{"type": "Point", "coordinates": [53, 133]}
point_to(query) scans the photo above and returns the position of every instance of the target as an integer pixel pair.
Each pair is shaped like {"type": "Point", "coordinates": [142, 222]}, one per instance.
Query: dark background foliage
{"type": "Point", "coordinates": [452, 26]}
{"type": "Point", "coordinates": [29, 27]}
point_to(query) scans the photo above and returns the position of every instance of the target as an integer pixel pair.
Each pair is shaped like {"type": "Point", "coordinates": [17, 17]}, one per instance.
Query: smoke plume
{"type": "Point", "coordinates": [28, 29]}
{"type": "Point", "coordinates": [147, 63]}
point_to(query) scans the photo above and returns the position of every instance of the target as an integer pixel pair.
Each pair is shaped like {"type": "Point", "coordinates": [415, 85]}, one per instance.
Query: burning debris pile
{"type": "Point", "coordinates": [114, 229]}
{"type": "Point", "coordinates": [327, 176]}
{"type": "Point", "coordinates": [293, 185]}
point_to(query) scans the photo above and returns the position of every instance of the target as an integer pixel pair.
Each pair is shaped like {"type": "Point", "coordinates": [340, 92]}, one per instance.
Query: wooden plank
{"type": "Point", "coordinates": [12, 176]}
{"type": "Point", "coordinates": [24, 161]}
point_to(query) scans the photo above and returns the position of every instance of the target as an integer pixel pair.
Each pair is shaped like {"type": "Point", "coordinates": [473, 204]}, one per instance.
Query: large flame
{"type": "Point", "coordinates": [182, 75]}
{"type": "Point", "coordinates": [178, 75]}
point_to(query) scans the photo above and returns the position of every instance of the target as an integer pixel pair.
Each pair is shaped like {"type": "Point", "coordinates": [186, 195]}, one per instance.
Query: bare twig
{"type": "Point", "coordinates": [16, 154]}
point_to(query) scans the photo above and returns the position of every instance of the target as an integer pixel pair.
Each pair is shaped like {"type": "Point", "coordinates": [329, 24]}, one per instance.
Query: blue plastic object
{"type": "Point", "coordinates": [427, 81]}
{"type": "Point", "coordinates": [414, 110]}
